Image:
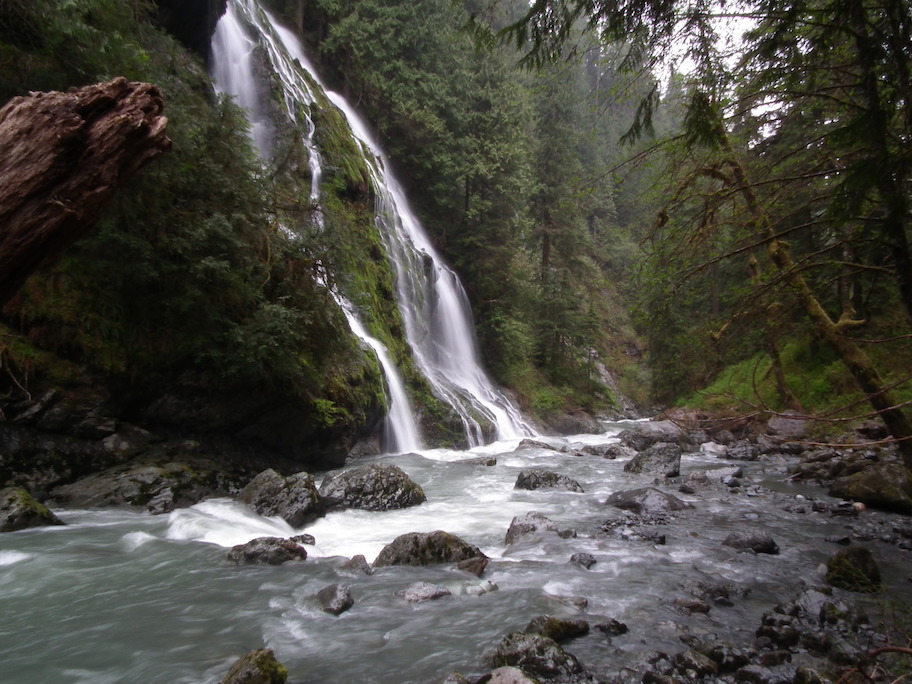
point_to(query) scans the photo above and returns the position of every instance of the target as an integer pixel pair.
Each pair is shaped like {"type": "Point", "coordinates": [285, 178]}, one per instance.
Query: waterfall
{"type": "Point", "coordinates": [433, 304]}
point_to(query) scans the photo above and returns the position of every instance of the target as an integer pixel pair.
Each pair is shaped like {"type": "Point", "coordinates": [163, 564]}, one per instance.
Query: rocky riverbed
{"type": "Point", "coordinates": [649, 553]}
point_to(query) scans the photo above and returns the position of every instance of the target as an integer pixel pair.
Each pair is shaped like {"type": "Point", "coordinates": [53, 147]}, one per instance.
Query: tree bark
{"type": "Point", "coordinates": [62, 157]}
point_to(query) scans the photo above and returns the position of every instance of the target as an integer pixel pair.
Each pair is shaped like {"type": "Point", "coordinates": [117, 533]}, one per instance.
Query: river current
{"type": "Point", "coordinates": [119, 596]}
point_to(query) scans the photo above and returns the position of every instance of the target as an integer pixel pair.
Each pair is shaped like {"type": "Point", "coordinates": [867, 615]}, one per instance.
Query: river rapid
{"type": "Point", "coordinates": [119, 596]}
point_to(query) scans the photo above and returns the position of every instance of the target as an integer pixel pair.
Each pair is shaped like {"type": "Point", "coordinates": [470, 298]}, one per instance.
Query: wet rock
{"type": "Point", "coordinates": [695, 664]}
{"type": "Point", "coordinates": [20, 510]}
{"type": "Point", "coordinates": [646, 500]}
{"type": "Point", "coordinates": [534, 444]}
{"type": "Point", "coordinates": [854, 569]}
{"type": "Point", "coordinates": [374, 487]}
{"type": "Point", "coordinates": [806, 675]}
{"type": "Point", "coordinates": [612, 627]}
{"type": "Point", "coordinates": [887, 486]}
{"type": "Point", "coordinates": [158, 488]}
{"type": "Point", "coordinates": [742, 450]}
{"type": "Point", "coordinates": [545, 479]}
{"type": "Point", "coordinates": [662, 458]}
{"type": "Point", "coordinates": [426, 548]}
{"type": "Point", "coordinates": [358, 564]}
{"type": "Point", "coordinates": [257, 667]}
{"type": "Point", "coordinates": [728, 658]}
{"type": "Point", "coordinates": [613, 451]}
{"type": "Point", "coordinates": [536, 655]}
{"type": "Point", "coordinates": [530, 524]}
{"type": "Point", "coordinates": [773, 658]}
{"type": "Point", "coordinates": [559, 629]}
{"type": "Point", "coordinates": [576, 423]}
{"type": "Point", "coordinates": [307, 539]}
{"type": "Point", "coordinates": [714, 449]}
{"type": "Point", "coordinates": [474, 566]}
{"type": "Point", "coordinates": [267, 551]}
{"type": "Point", "coordinates": [783, 636]}
{"type": "Point", "coordinates": [294, 499]}
{"type": "Point", "coordinates": [757, 674]}
{"type": "Point", "coordinates": [757, 542]}
{"type": "Point", "coordinates": [584, 560]}
{"type": "Point", "coordinates": [486, 461]}
{"type": "Point", "coordinates": [688, 606]}
{"type": "Point", "coordinates": [423, 591]}
{"type": "Point", "coordinates": [335, 599]}
{"type": "Point", "coordinates": [506, 675]}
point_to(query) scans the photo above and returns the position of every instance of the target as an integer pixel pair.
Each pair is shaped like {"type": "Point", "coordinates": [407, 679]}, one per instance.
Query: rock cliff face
{"type": "Point", "coordinates": [191, 21]}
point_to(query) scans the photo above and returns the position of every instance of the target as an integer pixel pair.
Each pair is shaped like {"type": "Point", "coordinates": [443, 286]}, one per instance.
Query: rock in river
{"type": "Point", "coordinates": [646, 501]}
{"type": "Point", "coordinates": [266, 551]}
{"type": "Point", "coordinates": [19, 510]}
{"type": "Point", "coordinates": [295, 499]}
{"type": "Point", "coordinates": [426, 548]}
{"type": "Point", "coordinates": [535, 655]}
{"type": "Point", "coordinates": [662, 458]}
{"type": "Point", "coordinates": [257, 667]}
{"type": "Point", "coordinates": [758, 542]}
{"type": "Point", "coordinates": [374, 487]}
{"type": "Point", "coordinates": [545, 479]}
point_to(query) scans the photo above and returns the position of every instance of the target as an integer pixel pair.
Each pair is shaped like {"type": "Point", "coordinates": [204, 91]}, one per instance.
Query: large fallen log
{"type": "Point", "coordinates": [62, 157]}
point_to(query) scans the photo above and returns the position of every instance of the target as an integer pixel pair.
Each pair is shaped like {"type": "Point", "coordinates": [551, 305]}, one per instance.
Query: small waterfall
{"type": "Point", "coordinates": [433, 303]}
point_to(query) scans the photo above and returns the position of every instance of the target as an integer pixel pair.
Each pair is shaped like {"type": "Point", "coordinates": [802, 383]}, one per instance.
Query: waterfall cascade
{"type": "Point", "coordinates": [430, 297]}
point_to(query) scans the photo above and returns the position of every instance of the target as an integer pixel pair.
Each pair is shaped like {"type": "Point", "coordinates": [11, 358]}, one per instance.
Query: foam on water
{"type": "Point", "coordinates": [223, 522]}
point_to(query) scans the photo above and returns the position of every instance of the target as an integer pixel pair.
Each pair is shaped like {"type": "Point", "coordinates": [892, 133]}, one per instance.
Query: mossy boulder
{"type": "Point", "coordinates": [257, 667]}
{"type": "Point", "coordinates": [374, 487]}
{"type": "Point", "coordinates": [536, 655]}
{"type": "Point", "coordinates": [20, 510]}
{"type": "Point", "coordinates": [887, 486]}
{"type": "Point", "coordinates": [267, 551]}
{"type": "Point", "coordinates": [854, 569]}
{"type": "Point", "coordinates": [426, 548]}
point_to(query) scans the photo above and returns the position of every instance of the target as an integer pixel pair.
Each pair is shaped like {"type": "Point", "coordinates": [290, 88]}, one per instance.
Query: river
{"type": "Point", "coordinates": [118, 596]}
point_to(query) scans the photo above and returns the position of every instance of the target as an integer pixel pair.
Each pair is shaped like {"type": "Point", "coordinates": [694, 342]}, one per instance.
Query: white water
{"type": "Point", "coordinates": [119, 596]}
{"type": "Point", "coordinates": [433, 303]}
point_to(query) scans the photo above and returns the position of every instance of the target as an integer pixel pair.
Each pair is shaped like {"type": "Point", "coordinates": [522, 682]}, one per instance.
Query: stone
{"type": "Point", "coordinates": [559, 629]}
{"type": "Point", "coordinates": [267, 551]}
{"type": "Point", "coordinates": [887, 486]}
{"type": "Point", "coordinates": [714, 449]}
{"type": "Point", "coordinates": [584, 560]}
{"type": "Point", "coordinates": [335, 599]}
{"type": "Point", "coordinates": [530, 524]}
{"type": "Point", "coordinates": [19, 510]}
{"type": "Point", "coordinates": [694, 662]}
{"type": "Point", "coordinates": [506, 675]}
{"type": "Point", "coordinates": [688, 606]}
{"type": "Point", "coordinates": [257, 667]}
{"type": "Point", "coordinates": [423, 591]}
{"type": "Point", "coordinates": [374, 487]}
{"type": "Point", "coordinates": [612, 627]}
{"type": "Point", "coordinates": [358, 564]}
{"type": "Point", "coordinates": [545, 479]}
{"type": "Point", "coordinates": [662, 458]}
{"type": "Point", "coordinates": [788, 425]}
{"type": "Point", "coordinates": [474, 566]}
{"type": "Point", "coordinates": [294, 499]}
{"type": "Point", "coordinates": [615, 451]}
{"type": "Point", "coordinates": [536, 655]}
{"type": "Point", "coordinates": [426, 548]}
{"type": "Point", "coordinates": [757, 542]}
{"type": "Point", "coordinates": [576, 423]}
{"type": "Point", "coordinates": [854, 569]}
{"type": "Point", "coordinates": [646, 501]}
{"type": "Point", "coordinates": [486, 461]}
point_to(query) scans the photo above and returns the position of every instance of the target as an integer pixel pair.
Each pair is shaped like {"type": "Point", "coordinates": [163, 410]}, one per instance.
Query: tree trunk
{"type": "Point", "coordinates": [852, 356]}
{"type": "Point", "coordinates": [62, 157]}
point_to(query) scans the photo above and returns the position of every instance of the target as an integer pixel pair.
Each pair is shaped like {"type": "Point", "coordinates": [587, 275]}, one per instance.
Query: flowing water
{"type": "Point", "coordinates": [434, 306]}
{"type": "Point", "coordinates": [125, 597]}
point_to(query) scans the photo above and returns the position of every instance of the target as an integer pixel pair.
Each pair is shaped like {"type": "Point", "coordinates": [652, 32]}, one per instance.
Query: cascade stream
{"type": "Point", "coordinates": [431, 299]}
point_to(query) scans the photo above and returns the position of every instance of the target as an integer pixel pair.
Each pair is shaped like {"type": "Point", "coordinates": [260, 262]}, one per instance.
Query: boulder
{"type": "Point", "coordinates": [545, 479]}
{"type": "Point", "coordinates": [294, 499]}
{"type": "Point", "coordinates": [156, 487]}
{"type": "Point", "coordinates": [758, 542]}
{"type": "Point", "coordinates": [662, 458]}
{"type": "Point", "coordinates": [559, 629]}
{"type": "Point", "coordinates": [714, 449]}
{"type": "Point", "coordinates": [742, 450]}
{"type": "Point", "coordinates": [887, 486]}
{"type": "Point", "coordinates": [357, 565]}
{"type": "Point", "coordinates": [530, 524]}
{"type": "Point", "coordinates": [473, 566]}
{"type": "Point", "coordinates": [335, 599]}
{"type": "Point", "coordinates": [576, 423]}
{"type": "Point", "coordinates": [423, 591]}
{"type": "Point", "coordinates": [267, 551]}
{"type": "Point", "coordinates": [788, 425]}
{"type": "Point", "coordinates": [646, 501]}
{"type": "Point", "coordinates": [536, 655]}
{"type": "Point", "coordinates": [610, 451]}
{"type": "Point", "coordinates": [584, 560]}
{"type": "Point", "coordinates": [612, 627]}
{"type": "Point", "coordinates": [854, 569]}
{"type": "Point", "coordinates": [527, 443]}
{"type": "Point", "coordinates": [374, 487]}
{"type": "Point", "coordinates": [486, 461]}
{"type": "Point", "coordinates": [426, 548]}
{"type": "Point", "coordinates": [695, 664]}
{"type": "Point", "coordinates": [257, 667]}
{"type": "Point", "coordinates": [20, 510]}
